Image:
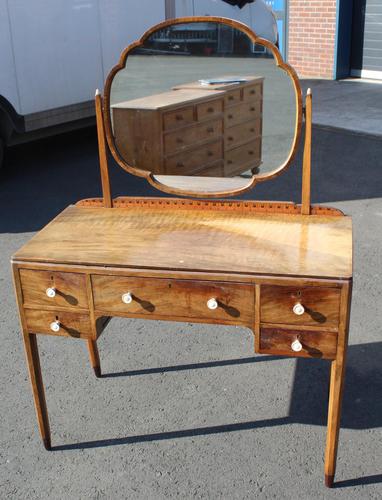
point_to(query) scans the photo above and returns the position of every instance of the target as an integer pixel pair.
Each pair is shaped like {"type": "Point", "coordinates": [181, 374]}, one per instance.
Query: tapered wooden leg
{"type": "Point", "coordinates": [33, 359]}
{"type": "Point", "coordinates": [94, 357]}
{"type": "Point", "coordinates": [337, 373]}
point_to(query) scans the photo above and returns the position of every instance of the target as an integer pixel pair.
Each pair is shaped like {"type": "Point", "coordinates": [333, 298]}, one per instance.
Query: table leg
{"type": "Point", "coordinates": [33, 359]}
{"type": "Point", "coordinates": [337, 373]}
{"type": "Point", "coordinates": [94, 357]}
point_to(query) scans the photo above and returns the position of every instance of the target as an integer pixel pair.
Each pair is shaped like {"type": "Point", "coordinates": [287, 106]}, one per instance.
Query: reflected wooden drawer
{"type": "Point", "coordinates": [182, 116]}
{"type": "Point", "coordinates": [209, 109]}
{"type": "Point", "coordinates": [214, 170]}
{"type": "Point", "coordinates": [191, 161]}
{"type": "Point", "coordinates": [252, 92]}
{"type": "Point", "coordinates": [176, 141]}
{"type": "Point", "coordinates": [307, 344]}
{"type": "Point", "coordinates": [241, 113]}
{"type": "Point", "coordinates": [232, 97]}
{"type": "Point", "coordinates": [242, 133]}
{"type": "Point", "coordinates": [174, 299]}
{"type": "Point", "coordinates": [243, 158]}
{"type": "Point", "coordinates": [321, 305]}
{"type": "Point", "coordinates": [68, 324]}
{"type": "Point", "coordinates": [45, 288]}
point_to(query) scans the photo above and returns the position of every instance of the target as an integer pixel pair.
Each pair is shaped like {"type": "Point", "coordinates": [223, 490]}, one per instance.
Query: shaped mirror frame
{"type": "Point", "coordinates": [206, 187]}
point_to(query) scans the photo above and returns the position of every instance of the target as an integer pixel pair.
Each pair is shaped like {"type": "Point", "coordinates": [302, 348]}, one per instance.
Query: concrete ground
{"type": "Point", "coordinates": [188, 411]}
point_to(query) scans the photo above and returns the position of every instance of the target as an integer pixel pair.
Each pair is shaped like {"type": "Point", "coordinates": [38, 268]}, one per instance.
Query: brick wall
{"type": "Point", "coordinates": [311, 37]}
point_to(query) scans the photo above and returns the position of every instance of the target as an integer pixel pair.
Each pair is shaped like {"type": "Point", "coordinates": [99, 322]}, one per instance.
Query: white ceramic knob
{"type": "Point", "coordinates": [55, 326]}
{"type": "Point", "coordinates": [212, 304]}
{"type": "Point", "coordinates": [298, 309]}
{"type": "Point", "coordinates": [51, 292]}
{"type": "Point", "coordinates": [296, 346]}
{"type": "Point", "coordinates": [127, 298]}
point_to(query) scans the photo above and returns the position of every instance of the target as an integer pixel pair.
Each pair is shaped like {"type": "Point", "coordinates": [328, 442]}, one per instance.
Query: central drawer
{"type": "Point", "coordinates": [170, 299]}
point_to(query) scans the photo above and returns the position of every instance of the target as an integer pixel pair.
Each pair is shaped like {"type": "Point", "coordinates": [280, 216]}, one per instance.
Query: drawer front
{"type": "Point", "coordinates": [70, 324]}
{"type": "Point", "coordinates": [242, 133]}
{"type": "Point", "coordinates": [242, 113]}
{"type": "Point", "coordinates": [214, 170]}
{"type": "Point", "coordinates": [307, 344]}
{"type": "Point", "coordinates": [232, 97]}
{"type": "Point", "coordinates": [170, 299]}
{"type": "Point", "coordinates": [252, 92]}
{"type": "Point", "coordinates": [321, 305]}
{"type": "Point", "coordinates": [69, 289]}
{"type": "Point", "coordinates": [176, 141]}
{"type": "Point", "coordinates": [209, 109]}
{"type": "Point", "coordinates": [174, 119]}
{"type": "Point", "coordinates": [191, 161]}
{"type": "Point", "coordinates": [243, 157]}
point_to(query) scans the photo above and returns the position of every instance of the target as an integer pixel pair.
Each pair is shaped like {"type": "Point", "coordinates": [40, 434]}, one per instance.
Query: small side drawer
{"type": "Point", "coordinates": [174, 119]}
{"type": "Point", "coordinates": [69, 289]}
{"type": "Point", "coordinates": [243, 158]}
{"type": "Point", "coordinates": [179, 139]}
{"type": "Point", "coordinates": [242, 133]}
{"type": "Point", "coordinates": [312, 344]}
{"type": "Point", "coordinates": [232, 97]}
{"type": "Point", "coordinates": [321, 305]}
{"type": "Point", "coordinates": [191, 161]}
{"type": "Point", "coordinates": [241, 113]}
{"type": "Point", "coordinates": [252, 92]}
{"type": "Point", "coordinates": [171, 299]}
{"type": "Point", "coordinates": [209, 109]}
{"type": "Point", "coordinates": [70, 324]}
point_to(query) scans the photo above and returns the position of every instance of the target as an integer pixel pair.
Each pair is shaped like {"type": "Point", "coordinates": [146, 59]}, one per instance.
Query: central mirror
{"type": "Point", "coordinates": [197, 100]}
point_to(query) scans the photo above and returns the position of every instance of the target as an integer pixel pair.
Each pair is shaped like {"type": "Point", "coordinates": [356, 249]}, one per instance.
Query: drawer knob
{"type": "Point", "coordinates": [210, 130]}
{"type": "Point", "coordinates": [55, 326]}
{"type": "Point", "coordinates": [51, 292]}
{"type": "Point", "coordinates": [298, 309]}
{"type": "Point", "coordinates": [179, 140]}
{"type": "Point", "coordinates": [210, 110]}
{"type": "Point", "coordinates": [212, 304]}
{"type": "Point", "coordinates": [178, 117]}
{"type": "Point", "coordinates": [127, 298]}
{"type": "Point", "coordinates": [296, 346]}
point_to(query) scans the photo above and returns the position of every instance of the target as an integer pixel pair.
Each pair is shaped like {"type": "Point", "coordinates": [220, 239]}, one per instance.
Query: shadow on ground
{"type": "Point", "coordinates": [41, 178]}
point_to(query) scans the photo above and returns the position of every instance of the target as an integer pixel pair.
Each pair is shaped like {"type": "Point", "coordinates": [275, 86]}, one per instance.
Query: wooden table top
{"type": "Point", "coordinates": [196, 240]}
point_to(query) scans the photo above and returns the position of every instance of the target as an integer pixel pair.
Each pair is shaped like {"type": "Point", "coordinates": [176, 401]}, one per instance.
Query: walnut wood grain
{"type": "Point", "coordinates": [72, 324]}
{"type": "Point", "coordinates": [322, 305]}
{"type": "Point", "coordinates": [225, 241]}
{"type": "Point", "coordinates": [163, 298]}
{"type": "Point", "coordinates": [70, 289]}
{"type": "Point", "coordinates": [315, 344]}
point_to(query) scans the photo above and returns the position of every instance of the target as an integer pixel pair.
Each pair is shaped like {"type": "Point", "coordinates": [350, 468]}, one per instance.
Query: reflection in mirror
{"type": "Point", "coordinates": [200, 99]}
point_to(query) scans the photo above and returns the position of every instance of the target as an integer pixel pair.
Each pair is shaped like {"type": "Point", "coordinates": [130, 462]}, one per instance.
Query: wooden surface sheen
{"type": "Point", "coordinates": [196, 240]}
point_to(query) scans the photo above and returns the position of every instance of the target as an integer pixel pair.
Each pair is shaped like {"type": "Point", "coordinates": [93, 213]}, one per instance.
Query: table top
{"type": "Point", "coordinates": [196, 240]}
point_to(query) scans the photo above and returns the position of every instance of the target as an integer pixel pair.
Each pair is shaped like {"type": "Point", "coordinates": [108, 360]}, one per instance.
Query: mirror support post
{"type": "Point", "coordinates": [102, 151]}
{"type": "Point", "coordinates": [306, 165]}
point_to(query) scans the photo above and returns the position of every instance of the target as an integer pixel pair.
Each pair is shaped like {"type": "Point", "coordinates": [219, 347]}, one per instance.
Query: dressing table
{"type": "Point", "coordinates": [281, 269]}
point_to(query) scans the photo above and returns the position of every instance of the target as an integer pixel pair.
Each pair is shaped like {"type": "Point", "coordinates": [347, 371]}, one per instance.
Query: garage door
{"type": "Point", "coordinates": [366, 54]}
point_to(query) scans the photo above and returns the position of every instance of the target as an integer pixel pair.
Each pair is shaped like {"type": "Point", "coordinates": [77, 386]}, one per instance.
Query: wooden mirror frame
{"type": "Point", "coordinates": [155, 180]}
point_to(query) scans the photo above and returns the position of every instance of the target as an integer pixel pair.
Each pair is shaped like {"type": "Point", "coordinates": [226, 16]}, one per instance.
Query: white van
{"type": "Point", "coordinates": [53, 55]}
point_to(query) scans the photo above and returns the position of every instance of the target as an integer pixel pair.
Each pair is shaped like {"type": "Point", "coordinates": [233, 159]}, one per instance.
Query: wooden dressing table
{"type": "Point", "coordinates": [281, 269]}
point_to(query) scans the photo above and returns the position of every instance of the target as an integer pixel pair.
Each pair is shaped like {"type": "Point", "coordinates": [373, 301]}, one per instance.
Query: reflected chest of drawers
{"type": "Point", "coordinates": [296, 303]}
{"type": "Point", "coordinates": [193, 129]}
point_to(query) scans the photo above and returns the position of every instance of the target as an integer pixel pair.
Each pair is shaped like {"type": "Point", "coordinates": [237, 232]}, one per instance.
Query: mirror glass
{"type": "Point", "coordinates": [200, 99]}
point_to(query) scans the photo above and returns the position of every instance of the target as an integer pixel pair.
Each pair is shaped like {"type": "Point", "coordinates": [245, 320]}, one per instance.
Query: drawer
{"type": "Point", "coordinates": [209, 109]}
{"type": "Point", "coordinates": [171, 299]}
{"type": "Point", "coordinates": [242, 113]}
{"type": "Point", "coordinates": [191, 161]}
{"type": "Point", "coordinates": [252, 92]}
{"type": "Point", "coordinates": [67, 289]}
{"type": "Point", "coordinates": [321, 305]}
{"type": "Point", "coordinates": [174, 119]}
{"type": "Point", "coordinates": [307, 344]}
{"type": "Point", "coordinates": [70, 324]}
{"type": "Point", "coordinates": [214, 170]}
{"type": "Point", "coordinates": [242, 133]}
{"type": "Point", "coordinates": [176, 141]}
{"type": "Point", "coordinates": [243, 158]}
{"type": "Point", "coordinates": [232, 97]}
